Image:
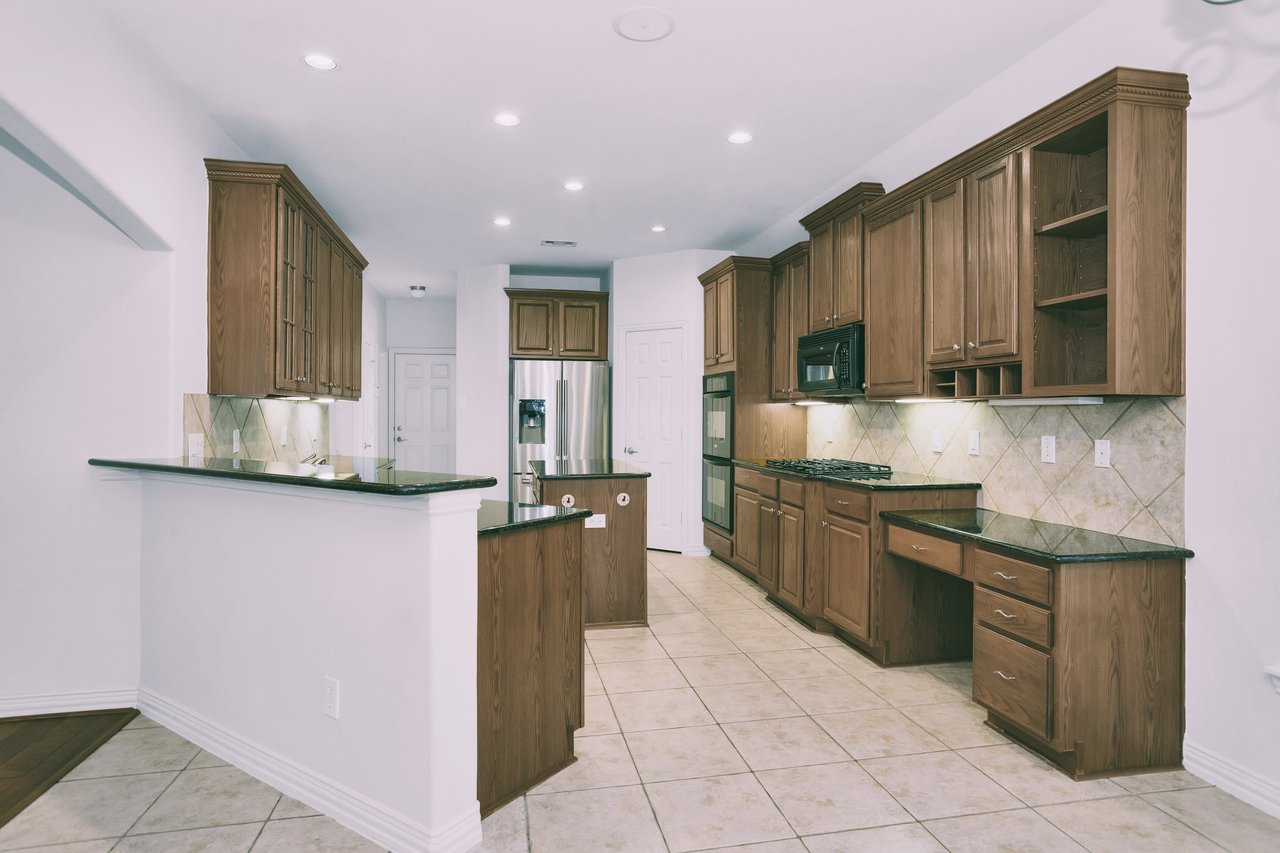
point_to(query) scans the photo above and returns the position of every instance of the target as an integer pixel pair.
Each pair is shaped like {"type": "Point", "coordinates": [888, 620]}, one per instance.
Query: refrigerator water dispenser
{"type": "Point", "coordinates": [533, 415]}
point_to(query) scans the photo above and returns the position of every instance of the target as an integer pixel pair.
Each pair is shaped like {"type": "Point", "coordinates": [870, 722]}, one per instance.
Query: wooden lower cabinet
{"type": "Point", "coordinates": [746, 531]}
{"type": "Point", "coordinates": [791, 554]}
{"type": "Point", "coordinates": [767, 551]}
{"type": "Point", "coordinates": [847, 602]}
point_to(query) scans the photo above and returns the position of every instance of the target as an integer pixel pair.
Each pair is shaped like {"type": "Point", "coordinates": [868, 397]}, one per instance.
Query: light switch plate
{"type": "Point", "coordinates": [235, 441]}
{"type": "Point", "coordinates": [1102, 453]}
{"type": "Point", "coordinates": [975, 445]}
{"type": "Point", "coordinates": [937, 441]}
{"type": "Point", "coordinates": [284, 436]}
{"type": "Point", "coordinates": [596, 521]}
{"type": "Point", "coordinates": [1049, 449]}
{"type": "Point", "coordinates": [195, 446]}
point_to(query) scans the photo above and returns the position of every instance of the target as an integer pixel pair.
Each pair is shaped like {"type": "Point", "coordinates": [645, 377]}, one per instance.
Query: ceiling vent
{"type": "Point", "coordinates": [560, 244]}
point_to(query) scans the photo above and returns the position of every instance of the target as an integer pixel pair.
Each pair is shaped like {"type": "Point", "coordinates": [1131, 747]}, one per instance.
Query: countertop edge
{"type": "Point", "coordinates": [869, 484]}
{"type": "Point", "coordinates": [511, 527]}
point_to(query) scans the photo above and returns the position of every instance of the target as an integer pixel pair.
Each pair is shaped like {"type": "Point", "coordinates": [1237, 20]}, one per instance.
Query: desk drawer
{"type": "Point", "coordinates": [1013, 576]}
{"type": "Point", "coordinates": [847, 502]}
{"type": "Point", "coordinates": [749, 478]}
{"type": "Point", "coordinates": [921, 547]}
{"type": "Point", "coordinates": [1030, 623]}
{"type": "Point", "coordinates": [1012, 680]}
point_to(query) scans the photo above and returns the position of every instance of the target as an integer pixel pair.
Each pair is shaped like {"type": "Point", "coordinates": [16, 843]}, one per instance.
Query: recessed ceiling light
{"type": "Point", "coordinates": [573, 186]}
{"type": "Point", "coordinates": [501, 221]}
{"type": "Point", "coordinates": [740, 137]}
{"type": "Point", "coordinates": [644, 23]}
{"type": "Point", "coordinates": [658, 229]}
{"type": "Point", "coordinates": [320, 62]}
{"type": "Point", "coordinates": [506, 119]}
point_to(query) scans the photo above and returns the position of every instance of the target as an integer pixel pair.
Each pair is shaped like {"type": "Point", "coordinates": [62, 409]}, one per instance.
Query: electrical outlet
{"type": "Point", "coordinates": [937, 441]}
{"type": "Point", "coordinates": [1102, 453]}
{"type": "Point", "coordinates": [596, 521]}
{"type": "Point", "coordinates": [235, 441]}
{"type": "Point", "coordinates": [1049, 449]}
{"type": "Point", "coordinates": [331, 697]}
{"type": "Point", "coordinates": [284, 436]}
{"type": "Point", "coordinates": [975, 444]}
{"type": "Point", "coordinates": [195, 446]}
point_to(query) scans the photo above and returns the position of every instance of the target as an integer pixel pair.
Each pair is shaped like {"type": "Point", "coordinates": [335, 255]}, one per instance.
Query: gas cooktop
{"type": "Point", "coordinates": [832, 468]}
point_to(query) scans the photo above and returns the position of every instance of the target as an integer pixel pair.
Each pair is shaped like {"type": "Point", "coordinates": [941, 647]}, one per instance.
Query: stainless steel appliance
{"type": "Point", "coordinates": [832, 363]}
{"type": "Point", "coordinates": [559, 410]}
{"type": "Point", "coordinates": [717, 450]}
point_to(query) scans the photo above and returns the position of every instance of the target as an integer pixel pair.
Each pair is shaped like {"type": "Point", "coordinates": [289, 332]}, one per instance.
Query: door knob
{"type": "Point", "coordinates": [630, 450]}
{"type": "Point", "coordinates": [399, 438]}
{"type": "Point", "coordinates": [399, 428]}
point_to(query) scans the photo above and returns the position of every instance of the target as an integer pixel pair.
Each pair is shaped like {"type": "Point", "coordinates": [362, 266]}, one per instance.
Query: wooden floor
{"type": "Point", "coordinates": [35, 752]}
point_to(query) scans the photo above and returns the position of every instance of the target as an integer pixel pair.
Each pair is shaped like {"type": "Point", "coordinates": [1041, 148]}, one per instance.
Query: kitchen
{"type": "Point", "coordinates": [138, 377]}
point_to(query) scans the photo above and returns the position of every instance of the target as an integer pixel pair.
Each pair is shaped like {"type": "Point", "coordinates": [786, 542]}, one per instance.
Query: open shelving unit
{"type": "Point", "coordinates": [977, 382]}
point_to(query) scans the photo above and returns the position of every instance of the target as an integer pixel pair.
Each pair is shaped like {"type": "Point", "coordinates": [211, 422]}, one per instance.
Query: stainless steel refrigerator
{"type": "Point", "coordinates": [559, 410]}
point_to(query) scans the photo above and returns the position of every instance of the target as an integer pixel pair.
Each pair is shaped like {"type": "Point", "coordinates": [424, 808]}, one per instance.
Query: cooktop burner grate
{"type": "Point", "coordinates": [831, 467]}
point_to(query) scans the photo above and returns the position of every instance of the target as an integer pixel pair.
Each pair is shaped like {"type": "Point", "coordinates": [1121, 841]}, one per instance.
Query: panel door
{"type": "Point", "coordinates": [533, 327]}
{"type": "Point", "coordinates": [746, 530]}
{"type": "Point", "coordinates": [581, 328]}
{"type": "Point", "coordinates": [288, 292]}
{"type": "Point", "coordinates": [355, 331]}
{"type": "Point", "coordinates": [895, 364]}
{"type": "Point", "coordinates": [993, 260]}
{"type": "Point", "coordinates": [767, 569]}
{"type": "Point", "coordinates": [848, 576]}
{"type": "Point", "coordinates": [324, 313]}
{"type": "Point", "coordinates": [821, 242]}
{"type": "Point", "coordinates": [710, 337]}
{"type": "Point", "coordinates": [798, 274]}
{"type": "Point", "coordinates": [944, 275]}
{"type": "Point", "coordinates": [338, 310]}
{"type": "Point", "coordinates": [424, 412]}
{"type": "Point", "coordinates": [726, 315]}
{"type": "Point", "coordinates": [308, 298]}
{"type": "Point", "coordinates": [791, 554]}
{"type": "Point", "coordinates": [781, 355]}
{"type": "Point", "coordinates": [653, 412]}
{"type": "Point", "coordinates": [846, 268]}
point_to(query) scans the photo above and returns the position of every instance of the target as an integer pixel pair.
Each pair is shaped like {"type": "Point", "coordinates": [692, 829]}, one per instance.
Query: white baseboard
{"type": "Point", "coordinates": [64, 703]}
{"type": "Point", "coordinates": [371, 819]}
{"type": "Point", "coordinates": [697, 551]}
{"type": "Point", "coordinates": [1235, 780]}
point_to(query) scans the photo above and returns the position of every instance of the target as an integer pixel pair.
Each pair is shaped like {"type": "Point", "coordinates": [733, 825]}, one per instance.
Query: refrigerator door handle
{"type": "Point", "coordinates": [562, 392]}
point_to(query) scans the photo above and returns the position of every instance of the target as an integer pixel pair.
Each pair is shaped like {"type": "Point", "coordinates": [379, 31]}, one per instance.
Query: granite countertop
{"type": "Point", "coordinates": [896, 480]}
{"type": "Point", "coordinates": [502, 517]}
{"type": "Point", "coordinates": [355, 474]}
{"type": "Point", "coordinates": [1041, 539]}
{"type": "Point", "coordinates": [584, 469]}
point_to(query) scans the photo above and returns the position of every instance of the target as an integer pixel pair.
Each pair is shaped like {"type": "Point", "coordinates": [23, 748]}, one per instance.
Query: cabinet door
{"type": "Point", "coordinates": [791, 555]}
{"type": "Point", "coordinates": [821, 245]}
{"type": "Point", "coordinates": [288, 292]}
{"type": "Point", "coordinates": [767, 567]}
{"type": "Point", "coordinates": [798, 274]}
{"type": "Point", "coordinates": [324, 313]}
{"type": "Point", "coordinates": [993, 260]}
{"type": "Point", "coordinates": [781, 355]}
{"type": "Point", "coordinates": [350, 326]}
{"type": "Point", "coordinates": [710, 337]}
{"type": "Point", "coordinates": [338, 310]}
{"type": "Point", "coordinates": [356, 324]}
{"type": "Point", "coordinates": [308, 306]}
{"type": "Point", "coordinates": [846, 268]}
{"type": "Point", "coordinates": [533, 327]}
{"type": "Point", "coordinates": [726, 316]}
{"type": "Point", "coordinates": [581, 328]}
{"type": "Point", "coordinates": [746, 530]}
{"type": "Point", "coordinates": [895, 364]}
{"type": "Point", "coordinates": [944, 275]}
{"type": "Point", "coordinates": [847, 549]}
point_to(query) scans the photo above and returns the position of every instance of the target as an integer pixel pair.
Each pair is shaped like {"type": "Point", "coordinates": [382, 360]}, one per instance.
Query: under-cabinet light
{"type": "Point", "coordinates": [924, 400]}
{"type": "Point", "coordinates": [324, 400]}
{"type": "Point", "coordinates": [1047, 401]}
{"type": "Point", "coordinates": [296, 399]}
{"type": "Point", "coordinates": [810, 403]}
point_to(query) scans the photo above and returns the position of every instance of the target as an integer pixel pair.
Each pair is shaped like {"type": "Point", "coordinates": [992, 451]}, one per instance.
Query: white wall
{"type": "Point", "coordinates": [427, 323]}
{"type": "Point", "coordinates": [557, 282]}
{"type": "Point", "coordinates": [659, 290]}
{"type": "Point", "coordinates": [359, 428]}
{"type": "Point", "coordinates": [1233, 591]}
{"type": "Point", "coordinates": [484, 376]}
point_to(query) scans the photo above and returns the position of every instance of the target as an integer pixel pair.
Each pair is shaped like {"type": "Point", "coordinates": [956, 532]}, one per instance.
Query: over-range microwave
{"type": "Point", "coordinates": [832, 363]}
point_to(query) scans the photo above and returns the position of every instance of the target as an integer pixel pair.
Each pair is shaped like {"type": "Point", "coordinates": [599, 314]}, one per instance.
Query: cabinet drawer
{"type": "Point", "coordinates": [791, 492]}
{"type": "Point", "coordinates": [1031, 623]}
{"type": "Point", "coordinates": [847, 502]}
{"type": "Point", "coordinates": [749, 478]}
{"type": "Point", "coordinates": [1012, 680]}
{"type": "Point", "coordinates": [720, 545]}
{"type": "Point", "coordinates": [1013, 576]}
{"type": "Point", "coordinates": [940, 553]}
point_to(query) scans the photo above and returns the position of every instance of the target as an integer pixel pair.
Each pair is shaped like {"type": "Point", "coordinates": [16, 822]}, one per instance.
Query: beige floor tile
{"type": "Point", "coordinates": [791, 845]}
{"type": "Point", "coordinates": [797, 663]}
{"type": "Point", "coordinates": [633, 676]}
{"type": "Point", "coordinates": [599, 717]}
{"type": "Point", "coordinates": [668, 754]}
{"type": "Point", "coordinates": [102, 846]}
{"type": "Point", "coordinates": [209, 797]}
{"type": "Point", "coordinates": [592, 685]}
{"type": "Point", "coordinates": [791, 742]}
{"type": "Point", "coordinates": [939, 784]}
{"type": "Point", "coordinates": [698, 645]}
{"type": "Point", "coordinates": [831, 694]}
{"type": "Point", "coordinates": [852, 662]}
{"type": "Point", "coordinates": [660, 709]}
{"type": "Point", "coordinates": [720, 669]}
{"type": "Point", "coordinates": [1234, 824]}
{"type": "Point", "coordinates": [729, 601]}
{"type": "Point", "coordinates": [680, 623]}
{"type": "Point", "coordinates": [822, 641]}
{"type": "Point", "coordinates": [1021, 831]}
{"type": "Point", "coordinates": [85, 810]}
{"type": "Point", "coordinates": [660, 587]}
{"type": "Point", "coordinates": [831, 798]}
{"type": "Point", "coordinates": [725, 810]}
{"type": "Point", "coordinates": [289, 807]}
{"type": "Point", "coordinates": [213, 839]}
{"type": "Point", "coordinates": [206, 759]}
{"type": "Point", "coordinates": [757, 700]}
{"type": "Point", "coordinates": [901, 687]}
{"type": "Point", "coordinates": [149, 750]}
{"type": "Point", "coordinates": [625, 649]}
{"type": "Point", "coordinates": [958, 675]}
{"type": "Point", "coordinates": [753, 640]}
{"type": "Point", "coordinates": [631, 632]}
{"type": "Point", "coordinates": [1150, 783]}
{"type": "Point", "coordinates": [744, 620]}
{"type": "Point", "coordinates": [1125, 825]}
{"type": "Point", "coordinates": [141, 721]}
{"type": "Point", "coordinates": [506, 830]}
{"type": "Point", "coordinates": [666, 604]}
{"type": "Point", "coordinates": [603, 762]}
{"type": "Point", "coordinates": [310, 834]}
{"type": "Point", "coordinates": [1032, 779]}
{"type": "Point", "coordinates": [904, 838]}
{"type": "Point", "coordinates": [959, 725]}
{"type": "Point", "coordinates": [878, 733]}
{"type": "Point", "coordinates": [618, 820]}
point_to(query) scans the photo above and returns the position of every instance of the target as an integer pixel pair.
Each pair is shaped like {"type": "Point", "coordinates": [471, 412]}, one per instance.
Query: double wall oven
{"type": "Point", "coordinates": [717, 450]}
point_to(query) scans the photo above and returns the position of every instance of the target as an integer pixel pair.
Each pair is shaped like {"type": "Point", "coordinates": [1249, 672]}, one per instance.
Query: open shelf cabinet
{"type": "Point", "coordinates": [981, 382]}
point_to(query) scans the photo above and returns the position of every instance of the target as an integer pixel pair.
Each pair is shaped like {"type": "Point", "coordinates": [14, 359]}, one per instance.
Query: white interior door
{"type": "Point", "coordinates": [652, 433]}
{"type": "Point", "coordinates": [424, 434]}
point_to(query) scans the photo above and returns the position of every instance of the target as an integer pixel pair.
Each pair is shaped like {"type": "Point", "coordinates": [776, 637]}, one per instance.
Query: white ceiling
{"type": "Point", "coordinates": [400, 146]}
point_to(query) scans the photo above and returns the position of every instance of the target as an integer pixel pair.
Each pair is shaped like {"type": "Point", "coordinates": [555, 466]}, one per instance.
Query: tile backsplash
{"type": "Point", "coordinates": [1140, 495]}
{"type": "Point", "coordinates": [273, 430]}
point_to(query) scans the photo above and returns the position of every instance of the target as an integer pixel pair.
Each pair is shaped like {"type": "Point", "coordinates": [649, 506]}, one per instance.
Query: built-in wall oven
{"type": "Point", "coordinates": [717, 450]}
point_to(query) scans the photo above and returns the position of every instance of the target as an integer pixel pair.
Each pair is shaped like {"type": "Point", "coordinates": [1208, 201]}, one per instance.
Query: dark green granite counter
{"type": "Point", "coordinates": [1038, 539]}
{"type": "Point", "coordinates": [356, 475]}
{"type": "Point", "coordinates": [503, 517]}
{"type": "Point", "coordinates": [584, 469]}
{"type": "Point", "coordinates": [897, 480]}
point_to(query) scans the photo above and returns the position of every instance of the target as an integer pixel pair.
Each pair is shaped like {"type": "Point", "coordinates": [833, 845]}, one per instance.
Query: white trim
{"type": "Point", "coordinates": [1231, 777]}
{"type": "Point", "coordinates": [381, 825]}
{"type": "Point", "coordinates": [33, 704]}
{"type": "Point", "coordinates": [696, 551]}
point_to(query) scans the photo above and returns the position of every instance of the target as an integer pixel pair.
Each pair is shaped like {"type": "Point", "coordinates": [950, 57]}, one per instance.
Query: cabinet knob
{"type": "Point", "coordinates": [972, 345]}
{"type": "Point", "coordinates": [778, 511]}
{"type": "Point", "coordinates": [824, 524]}
{"type": "Point", "coordinates": [956, 347]}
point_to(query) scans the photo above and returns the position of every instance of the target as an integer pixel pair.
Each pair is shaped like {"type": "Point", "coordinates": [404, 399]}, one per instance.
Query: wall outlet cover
{"type": "Point", "coordinates": [331, 697]}
{"type": "Point", "coordinates": [975, 442]}
{"type": "Point", "coordinates": [195, 445]}
{"type": "Point", "coordinates": [596, 521]}
{"type": "Point", "coordinates": [1049, 449]}
{"type": "Point", "coordinates": [937, 441]}
{"type": "Point", "coordinates": [1102, 453]}
{"type": "Point", "coordinates": [235, 441]}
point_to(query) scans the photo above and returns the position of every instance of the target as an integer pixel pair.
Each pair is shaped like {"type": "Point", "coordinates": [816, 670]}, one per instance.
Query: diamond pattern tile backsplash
{"type": "Point", "coordinates": [303, 426]}
{"type": "Point", "coordinates": [1140, 495]}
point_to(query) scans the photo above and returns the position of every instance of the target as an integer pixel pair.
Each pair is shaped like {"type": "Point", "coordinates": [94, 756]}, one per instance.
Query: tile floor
{"type": "Point", "coordinates": [725, 725]}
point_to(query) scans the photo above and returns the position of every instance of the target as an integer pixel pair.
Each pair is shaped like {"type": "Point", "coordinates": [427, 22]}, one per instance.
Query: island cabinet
{"type": "Point", "coordinates": [835, 243]}
{"type": "Point", "coordinates": [790, 320]}
{"type": "Point", "coordinates": [285, 288]}
{"type": "Point", "coordinates": [895, 290]}
{"type": "Point", "coordinates": [559, 324]}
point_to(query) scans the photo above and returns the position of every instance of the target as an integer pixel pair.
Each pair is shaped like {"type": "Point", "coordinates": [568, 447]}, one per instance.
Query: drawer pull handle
{"type": "Point", "coordinates": [843, 503]}
{"type": "Point", "coordinates": [1005, 615]}
{"type": "Point", "coordinates": [1006, 577]}
{"type": "Point", "coordinates": [1005, 677]}
{"type": "Point", "coordinates": [918, 548]}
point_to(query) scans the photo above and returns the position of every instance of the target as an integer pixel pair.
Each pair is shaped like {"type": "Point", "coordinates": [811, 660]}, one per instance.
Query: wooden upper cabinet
{"type": "Point", "coordinates": [724, 317]}
{"type": "Point", "coordinates": [835, 266]}
{"type": "Point", "coordinates": [285, 287]}
{"type": "Point", "coordinates": [945, 269]}
{"type": "Point", "coordinates": [790, 298]}
{"type": "Point", "coordinates": [710, 322]}
{"type": "Point", "coordinates": [993, 260]}
{"type": "Point", "coordinates": [894, 279]}
{"type": "Point", "coordinates": [565, 324]}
